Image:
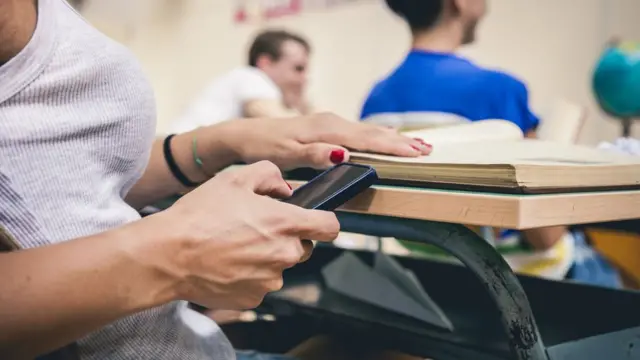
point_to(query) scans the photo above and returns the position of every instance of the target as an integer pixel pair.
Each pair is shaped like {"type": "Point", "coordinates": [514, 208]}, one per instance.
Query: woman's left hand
{"type": "Point", "coordinates": [318, 141]}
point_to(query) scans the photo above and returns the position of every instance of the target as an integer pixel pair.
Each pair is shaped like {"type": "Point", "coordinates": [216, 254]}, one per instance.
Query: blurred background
{"type": "Point", "coordinates": [552, 45]}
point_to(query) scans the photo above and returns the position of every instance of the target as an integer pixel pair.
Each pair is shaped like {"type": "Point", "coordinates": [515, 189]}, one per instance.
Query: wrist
{"type": "Point", "coordinates": [183, 154]}
{"type": "Point", "coordinates": [149, 249]}
{"type": "Point", "coordinates": [219, 145]}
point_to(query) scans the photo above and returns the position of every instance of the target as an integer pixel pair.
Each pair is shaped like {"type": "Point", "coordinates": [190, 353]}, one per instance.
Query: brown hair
{"type": "Point", "coordinates": [270, 43]}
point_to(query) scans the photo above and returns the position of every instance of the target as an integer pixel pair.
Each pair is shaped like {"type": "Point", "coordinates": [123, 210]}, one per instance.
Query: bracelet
{"type": "Point", "coordinates": [173, 166]}
{"type": "Point", "coordinates": [196, 157]}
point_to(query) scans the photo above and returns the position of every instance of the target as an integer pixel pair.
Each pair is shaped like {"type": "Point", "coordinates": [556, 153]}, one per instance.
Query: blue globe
{"type": "Point", "coordinates": [616, 80]}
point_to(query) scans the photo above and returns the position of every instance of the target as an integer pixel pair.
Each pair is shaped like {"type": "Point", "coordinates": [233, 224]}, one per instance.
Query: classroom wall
{"type": "Point", "coordinates": [551, 44]}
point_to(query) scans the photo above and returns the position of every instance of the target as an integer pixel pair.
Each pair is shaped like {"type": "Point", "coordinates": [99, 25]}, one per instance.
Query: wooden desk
{"type": "Point", "coordinates": [497, 210]}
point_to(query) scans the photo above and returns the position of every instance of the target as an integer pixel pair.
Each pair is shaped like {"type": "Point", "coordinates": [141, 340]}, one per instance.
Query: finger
{"type": "Point", "coordinates": [322, 155]}
{"type": "Point", "coordinates": [263, 178]}
{"type": "Point", "coordinates": [425, 147]}
{"type": "Point", "coordinates": [291, 253]}
{"type": "Point", "coordinates": [373, 138]}
{"type": "Point", "coordinates": [383, 137]}
{"type": "Point", "coordinates": [314, 224]}
{"type": "Point", "coordinates": [307, 245]}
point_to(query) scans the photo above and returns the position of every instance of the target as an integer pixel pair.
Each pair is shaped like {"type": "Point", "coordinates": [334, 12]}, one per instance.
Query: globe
{"type": "Point", "coordinates": [616, 81]}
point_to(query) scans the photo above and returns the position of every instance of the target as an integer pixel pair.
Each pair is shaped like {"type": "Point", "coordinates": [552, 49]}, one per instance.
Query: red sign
{"type": "Point", "coordinates": [247, 10]}
{"type": "Point", "coordinates": [250, 10]}
{"type": "Point", "coordinates": [277, 8]}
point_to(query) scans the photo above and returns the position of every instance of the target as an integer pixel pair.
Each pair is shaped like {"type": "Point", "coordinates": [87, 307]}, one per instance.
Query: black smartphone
{"type": "Point", "coordinates": [334, 187]}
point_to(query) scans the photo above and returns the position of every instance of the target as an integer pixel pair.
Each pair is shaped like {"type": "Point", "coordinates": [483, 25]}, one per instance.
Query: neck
{"type": "Point", "coordinates": [18, 20]}
{"type": "Point", "coordinates": [445, 38]}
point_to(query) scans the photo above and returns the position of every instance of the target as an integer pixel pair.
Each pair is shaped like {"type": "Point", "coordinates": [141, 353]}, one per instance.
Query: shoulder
{"type": "Point", "coordinates": [509, 99]}
{"type": "Point", "coordinates": [503, 82]}
{"type": "Point", "coordinates": [251, 83]}
{"type": "Point", "coordinates": [248, 73]}
{"type": "Point", "coordinates": [378, 100]}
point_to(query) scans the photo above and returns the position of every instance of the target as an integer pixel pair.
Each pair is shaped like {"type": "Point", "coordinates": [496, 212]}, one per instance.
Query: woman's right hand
{"type": "Point", "coordinates": [230, 243]}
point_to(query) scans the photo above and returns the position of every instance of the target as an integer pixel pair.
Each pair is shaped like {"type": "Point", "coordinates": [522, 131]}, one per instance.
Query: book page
{"type": "Point", "coordinates": [563, 123]}
{"type": "Point", "coordinates": [522, 152]}
{"type": "Point", "coordinates": [478, 131]}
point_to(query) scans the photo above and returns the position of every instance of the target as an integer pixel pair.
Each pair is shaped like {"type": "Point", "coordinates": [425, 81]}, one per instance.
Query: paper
{"type": "Point", "coordinates": [384, 286]}
{"type": "Point", "coordinates": [409, 283]}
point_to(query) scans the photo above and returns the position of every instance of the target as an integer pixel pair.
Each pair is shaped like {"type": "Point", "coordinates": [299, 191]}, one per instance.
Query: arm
{"type": "Point", "coordinates": [261, 97]}
{"type": "Point", "coordinates": [158, 183]}
{"type": "Point", "coordinates": [222, 254]}
{"type": "Point", "coordinates": [267, 108]}
{"type": "Point", "coordinates": [275, 108]}
{"type": "Point", "coordinates": [543, 238]}
{"type": "Point", "coordinates": [305, 141]}
{"type": "Point", "coordinates": [53, 295]}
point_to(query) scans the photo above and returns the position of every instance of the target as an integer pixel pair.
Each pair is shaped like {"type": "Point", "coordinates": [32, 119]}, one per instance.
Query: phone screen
{"type": "Point", "coordinates": [314, 193]}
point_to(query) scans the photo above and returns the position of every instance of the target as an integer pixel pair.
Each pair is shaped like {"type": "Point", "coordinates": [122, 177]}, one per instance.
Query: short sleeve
{"type": "Point", "coordinates": [253, 84]}
{"type": "Point", "coordinates": [512, 103]}
{"type": "Point", "coordinates": [376, 102]}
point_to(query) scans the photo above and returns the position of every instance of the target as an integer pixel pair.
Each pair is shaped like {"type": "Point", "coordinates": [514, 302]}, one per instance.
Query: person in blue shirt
{"type": "Point", "coordinates": [434, 86]}
{"type": "Point", "coordinates": [433, 79]}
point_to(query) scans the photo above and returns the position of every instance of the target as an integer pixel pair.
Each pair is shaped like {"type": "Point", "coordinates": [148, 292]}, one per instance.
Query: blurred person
{"type": "Point", "coordinates": [272, 84]}
{"type": "Point", "coordinates": [79, 156]}
{"type": "Point", "coordinates": [434, 86]}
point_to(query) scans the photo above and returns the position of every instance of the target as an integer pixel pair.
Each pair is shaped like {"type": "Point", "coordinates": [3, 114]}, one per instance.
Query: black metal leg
{"type": "Point", "coordinates": [477, 255]}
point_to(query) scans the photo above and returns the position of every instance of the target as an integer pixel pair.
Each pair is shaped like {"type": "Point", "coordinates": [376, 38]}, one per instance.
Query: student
{"type": "Point", "coordinates": [273, 83]}
{"type": "Point", "coordinates": [434, 86]}
{"type": "Point", "coordinates": [79, 156]}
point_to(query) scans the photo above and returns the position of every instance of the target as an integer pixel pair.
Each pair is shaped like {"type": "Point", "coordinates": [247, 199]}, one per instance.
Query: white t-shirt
{"type": "Point", "coordinates": [223, 99]}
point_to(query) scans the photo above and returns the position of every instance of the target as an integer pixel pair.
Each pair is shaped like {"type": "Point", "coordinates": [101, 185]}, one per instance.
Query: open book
{"type": "Point", "coordinates": [493, 154]}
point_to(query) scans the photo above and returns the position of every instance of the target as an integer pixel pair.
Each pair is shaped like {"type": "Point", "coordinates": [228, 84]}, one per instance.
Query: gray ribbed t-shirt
{"type": "Point", "coordinates": [77, 120]}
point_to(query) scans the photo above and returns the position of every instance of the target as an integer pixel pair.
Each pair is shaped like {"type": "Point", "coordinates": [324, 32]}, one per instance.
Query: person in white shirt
{"type": "Point", "coordinates": [271, 85]}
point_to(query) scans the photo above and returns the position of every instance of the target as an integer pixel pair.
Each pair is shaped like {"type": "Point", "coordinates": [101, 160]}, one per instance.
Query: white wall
{"type": "Point", "coordinates": [551, 44]}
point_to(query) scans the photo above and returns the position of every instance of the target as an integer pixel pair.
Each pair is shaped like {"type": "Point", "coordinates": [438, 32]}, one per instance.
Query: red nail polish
{"type": "Point", "coordinates": [289, 185]}
{"type": "Point", "coordinates": [423, 143]}
{"type": "Point", "coordinates": [337, 156]}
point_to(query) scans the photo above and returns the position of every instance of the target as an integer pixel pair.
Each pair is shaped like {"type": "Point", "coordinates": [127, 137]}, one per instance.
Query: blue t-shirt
{"type": "Point", "coordinates": [430, 82]}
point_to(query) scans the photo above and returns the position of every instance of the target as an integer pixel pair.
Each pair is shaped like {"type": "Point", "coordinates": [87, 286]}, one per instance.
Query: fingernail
{"type": "Point", "coordinates": [423, 142]}
{"type": "Point", "coordinates": [337, 156]}
{"type": "Point", "coordinates": [415, 148]}
{"type": "Point", "coordinates": [289, 185]}
{"type": "Point", "coordinates": [428, 146]}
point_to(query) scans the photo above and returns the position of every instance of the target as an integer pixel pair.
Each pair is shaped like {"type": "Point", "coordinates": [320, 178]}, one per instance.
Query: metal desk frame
{"type": "Point", "coordinates": [480, 257]}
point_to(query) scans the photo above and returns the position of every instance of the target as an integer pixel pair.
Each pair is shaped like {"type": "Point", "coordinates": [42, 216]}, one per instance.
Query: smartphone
{"type": "Point", "coordinates": [334, 187]}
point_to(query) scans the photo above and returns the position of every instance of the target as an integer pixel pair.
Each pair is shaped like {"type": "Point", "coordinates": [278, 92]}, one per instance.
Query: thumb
{"type": "Point", "coordinates": [262, 178]}
{"type": "Point", "coordinates": [323, 156]}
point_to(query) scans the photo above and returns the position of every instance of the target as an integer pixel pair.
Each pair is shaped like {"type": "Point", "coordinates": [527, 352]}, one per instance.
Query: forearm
{"type": "Point", "coordinates": [53, 295]}
{"type": "Point", "coordinates": [307, 108]}
{"type": "Point", "coordinates": [268, 109]}
{"type": "Point", "coordinates": [544, 238]}
{"type": "Point", "coordinates": [158, 182]}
